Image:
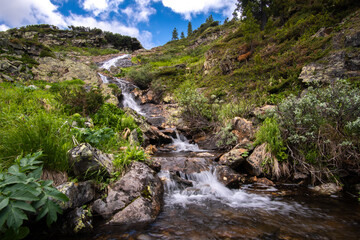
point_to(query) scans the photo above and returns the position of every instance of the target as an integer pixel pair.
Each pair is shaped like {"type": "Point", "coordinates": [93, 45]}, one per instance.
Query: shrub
{"type": "Point", "coordinates": [22, 192]}
{"type": "Point", "coordinates": [270, 133]}
{"type": "Point", "coordinates": [78, 100]}
{"type": "Point", "coordinates": [131, 153]}
{"type": "Point", "coordinates": [322, 128]}
{"type": "Point", "coordinates": [141, 76]}
{"type": "Point", "coordinates": [96, 137]}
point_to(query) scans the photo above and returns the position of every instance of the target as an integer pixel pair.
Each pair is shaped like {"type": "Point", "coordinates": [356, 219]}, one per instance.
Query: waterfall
{"type": "Point", "coordinates": [112, 62]}
{"type": "Point", "coordinates": [128, 98]}
{"type": "Point", "coordinates": [182, 144]}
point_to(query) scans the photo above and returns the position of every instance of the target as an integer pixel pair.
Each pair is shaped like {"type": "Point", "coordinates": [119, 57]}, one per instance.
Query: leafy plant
{"type": "Point", "coordinates": [131, 153]}
{"type": "Point", "coordinates": [96, 137]}
{"type": "Point", "coordinates": [23, 193]}
{"type": "Point", "coordinates": [270, 133]}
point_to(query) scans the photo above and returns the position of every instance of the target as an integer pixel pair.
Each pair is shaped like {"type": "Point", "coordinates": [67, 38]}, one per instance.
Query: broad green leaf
{"type": "Point", "coordinates": [36, 173]}
{"type": "Point", "coordinates": [3, 215]}
{"type": "Point", "coordinates": [10, 179]}
{"type": "Point", "coordinates": [54, 209]}
{"type": "Point", "coordinates": [14, 170]}
{"type": "Point", "coordinates": [44, 210]}
{"type": "Point", "coordinates": [23, 195]}
{"type": "Point", "coordinates": [24, 206]}
{"type": "Point", "coordinates": [41, 202]}
{"type": "Point", "coordinates": [56, 194]}
{"type": "Point", "coordinates": [15, 217]}
{"type": "Point", "coordinates": [4, 203]}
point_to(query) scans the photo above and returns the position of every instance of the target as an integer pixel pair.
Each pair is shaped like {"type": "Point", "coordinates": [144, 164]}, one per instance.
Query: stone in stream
{"type": "Point", "coordinates": [186, 165]}
{"type": "Point", "coordinates": [234, 158]}
{"type": "Point", "coordinates": [135, 198]}
{"type": "Point", "coordinates": [242, 128]}
{"type": "Point", "coordinates": [78, 220]}
{"type": "Point", "coordinates": [327, 188]}
{"type": "Point", "coordinates": [254, 161]}
{"type": "Point", "coordinates": [229, 177]}
{"type": "Point", "coordinates": [85, 159]}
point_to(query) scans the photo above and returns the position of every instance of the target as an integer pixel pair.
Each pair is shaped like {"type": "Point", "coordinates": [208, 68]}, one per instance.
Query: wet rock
{"type": "Point", "coordinates": [85, 159]}
{"type": "Point", "coordinates": [78, 194]}
{"type": "Point", "coordinates": [136, 197]}
{"type": "Point", "coordinates": [234, 158]}
{"type": "Point", "coordinates": [152, 133]}
{"type": "Point", "coordinates": [229, 177]}
{"type": "Point", "coordinates": [243, 128]}
{"type": "Point", "coordinates": [254, 161]}
{"type": "Point", "coordinates": [265, 181]}
{"type": "Point", "coordinates": [77, 221]}
{"type": "Point", "coordinates": [182, 164]}
{"type": "Point", "coordinates": [327, 189]}
{"type": "Point", "coordinates": [134, 138]}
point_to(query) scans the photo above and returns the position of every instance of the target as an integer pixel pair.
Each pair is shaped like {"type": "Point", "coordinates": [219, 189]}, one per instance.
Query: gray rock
{"type": "Point", "coordinates": [327, 189]}
{"type": "Point", "coordinates": [234, 158]}
{"type": "Point", "coordinates": [136, 197]}
{"type": "Point", "coordinates": [85, 159]}
{"type": "Point", "coordinates": [78, 194]}
{"type": "Point", "coordinates": [243, 128]}
{"type": "Point", "coordinates": [253, 163]}
{"type": "Point", "coordinates": [77, 221]}
{"type": "Point", "coordinates": [353, 40]}
{"type": "Point", "coordinates": [229, 177]}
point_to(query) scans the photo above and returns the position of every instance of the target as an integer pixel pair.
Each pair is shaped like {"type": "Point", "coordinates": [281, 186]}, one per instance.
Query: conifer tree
{"type": "Point", "coordinates": [189, 30]}
{"type": "Point", "coordinates": [175, 35]}
{"type": "Point", "coordinates": [182, 35]}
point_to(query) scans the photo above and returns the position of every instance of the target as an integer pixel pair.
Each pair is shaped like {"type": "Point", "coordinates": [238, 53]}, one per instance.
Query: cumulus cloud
{"type": "Point", "coordinates": [188, 8]}
{"type": "Point", "coordinates": [24, 12]}
{"type": "Point", "coordinates": [139, 12]}
{"type": "Point", "coordinates": [100, 6]}
{"type": "Point", "coordinates": [3, 27]}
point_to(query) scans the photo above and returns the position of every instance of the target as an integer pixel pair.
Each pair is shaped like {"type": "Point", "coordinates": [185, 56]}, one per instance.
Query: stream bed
{"type": "Point", "coordinates": [209, 210]}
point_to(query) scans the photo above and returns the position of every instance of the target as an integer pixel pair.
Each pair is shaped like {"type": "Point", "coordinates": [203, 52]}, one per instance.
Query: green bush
{"type": "Point", "coordinates": [131, 153]}
{"type": "Point", "coordinates": [95, 137]}
{"type": "Point", "coordinates": [22, 193]}
{"type": "Point", "coordinates": [322, 127]}
{"type": "Point", "coordinates": [270, 133]}
{"type": "Point", "coordinates": [79, 100]}
{"type": "Point", "coordinates": [141, 76]}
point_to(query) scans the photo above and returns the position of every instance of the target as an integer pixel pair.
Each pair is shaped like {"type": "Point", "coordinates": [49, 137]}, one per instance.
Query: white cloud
{"type": "Point", "coordinates": [187, 8]}
{"type": "Point", "coordinates": [100, 6]}
{"type": "Point", "coordinates": [3, 27]}
{"type": "Point", "coordinates": [140, 12]}
{"type": "Point", "coordinates": [23, 12]}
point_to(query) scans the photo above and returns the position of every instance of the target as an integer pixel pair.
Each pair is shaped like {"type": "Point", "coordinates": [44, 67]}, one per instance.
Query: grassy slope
{"type": "Point", "coordinates": [271, 72]}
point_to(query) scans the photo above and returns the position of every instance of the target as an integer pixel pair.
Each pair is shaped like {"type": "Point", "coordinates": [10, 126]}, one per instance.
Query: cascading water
{"type": "Point", "coordinates": [206, 209]}
{"type": "Point", "coordinates": [113, 62]}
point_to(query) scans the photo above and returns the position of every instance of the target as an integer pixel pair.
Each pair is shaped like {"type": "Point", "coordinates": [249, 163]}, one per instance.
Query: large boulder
{"type": "Point", "coordinates": [85, 159]}
{"type": "Point", "coordinates": [77, 221]}
{"type": "Point", "coordinates": [229, 177]}
{"type": "Point", "coordinates": [234, 158]}
{"type": "Point", "coordinates": [136, 197]}
{"type": "Point", "coordinates": [78, 194]}
{"type": "Point", "coordinates": [152, 135]}
{"type": "Point", "coordinates": [253, 163]}
{"type": "Point", "coordinates": [186, 165]}
{"type": "Point", "coordinates": [242, 128]}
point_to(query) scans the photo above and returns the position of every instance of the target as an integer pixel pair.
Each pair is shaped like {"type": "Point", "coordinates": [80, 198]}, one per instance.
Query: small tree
{"type": "Point", "coordinates": [189, 30]}
{"type": "Point", "coordinates": [175, 35]}
{"type": "Point", "coordinates": [250, 28]}
{"type": "Point", "coordinates": [182, 35]}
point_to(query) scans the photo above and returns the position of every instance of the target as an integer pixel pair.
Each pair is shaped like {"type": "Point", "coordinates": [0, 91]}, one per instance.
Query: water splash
{"type": "Point", "coordinates": [182, 144]}
{"type": "Point", "coordinates": [207, 187]}
{"type": "Point", "coordinates": [104, 78]}
{"type": "Point", "coordinates": [112, 62]}
{"type": "Point", "coordinates": [128, 98]}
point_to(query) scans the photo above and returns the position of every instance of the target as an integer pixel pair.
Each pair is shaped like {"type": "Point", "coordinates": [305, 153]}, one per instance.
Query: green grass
{"type": "Point", "coordinates": [85, 51]}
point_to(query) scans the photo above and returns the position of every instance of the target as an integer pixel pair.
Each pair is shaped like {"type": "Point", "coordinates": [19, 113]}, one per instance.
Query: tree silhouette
{"type": "Point", "coordinates": [182, 35]}
{"type": "Point", "coordinates": [175, 35]}
{"type": "Point", "coordinates": [189, 30]}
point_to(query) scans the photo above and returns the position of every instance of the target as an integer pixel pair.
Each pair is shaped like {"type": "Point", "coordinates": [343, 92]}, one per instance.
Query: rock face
{"type": "Point", "coordinates": [78, 194]}
{"type": "Point", "coordinates": [186, 165]}
{"type": "Point", "coordinates": [84, 159]}
{"type": "Point", "coordinates": [77, 221]}
{"type": "Point", "coordinates": [135, 198]}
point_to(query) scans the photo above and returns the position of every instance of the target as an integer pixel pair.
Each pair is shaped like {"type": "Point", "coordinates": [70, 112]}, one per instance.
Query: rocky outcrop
{"type": "Point", "coordinates": [135, 198]}
{"type": "Point", "coordinates": [186, 165]}
{"type": "Point", "coordinates": [85, 159]}
{"type": "Point", "coordinates": [152, 135]}
{"type": "Point", "coordinates": [77, 221]}
{"type": "Point", "coordinates": [78, 194]}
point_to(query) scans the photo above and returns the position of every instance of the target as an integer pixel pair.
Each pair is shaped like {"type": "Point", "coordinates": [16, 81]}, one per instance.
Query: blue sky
{"type": "Point", "coordinates": [151, 21]}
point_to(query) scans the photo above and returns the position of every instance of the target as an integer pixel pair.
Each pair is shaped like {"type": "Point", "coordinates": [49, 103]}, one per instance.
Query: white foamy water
{"type": "Point", "coordinates": [183, 145]}
{"type": "Point", "coordinates": [206, 187]}
{"type": "Point", "coordinates": [128, 98]}
{"type": "Point", "coordinates": [112, 62]}
{"type": "Point", "coordinates": [104, 79]}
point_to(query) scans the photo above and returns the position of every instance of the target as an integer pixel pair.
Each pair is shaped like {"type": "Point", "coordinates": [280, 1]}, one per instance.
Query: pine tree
{"type": "Point", "coordinates": [182, 35]}
{"type": "Point", "coordinates": [175, 35]}
{"type": "Point", "coordinates": [189, 30]}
